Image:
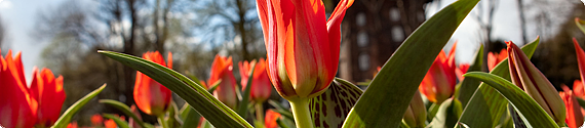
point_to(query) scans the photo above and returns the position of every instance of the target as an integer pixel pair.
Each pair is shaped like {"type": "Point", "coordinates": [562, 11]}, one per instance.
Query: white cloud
{"type": "Point", "coordinates": [5, 4]}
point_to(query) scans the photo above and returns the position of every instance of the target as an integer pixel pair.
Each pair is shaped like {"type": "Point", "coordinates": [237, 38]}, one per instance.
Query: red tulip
{"type": "Point", "coordinates": [221, 69]}
{"type": "Point", "coordinates": [495, 58]}
{"type": "Point", "coordinates": [574, 116]}
{"type": "Point", "coordinates": [261, 87]}
{"type": "Point", "coordinates": [303, 47]}
{"type": "Point", "coordinates": [271, 117]}
{"type": "Point", "coordinates": [72, 125]}
{"type": "Point", "coordinates": [97, 120]}
{"type": "Point", "coordinates": [18, 109]}
{"type": "Point", "coordinates": [581, 61]}
{"type": "Point", "coordinates": [525, 75]}
{"type": "Point", "coordinates": [578, 90]}
{"type": "Point", "coordinates": [460, 70]}
{"type": "Point", "coordinates": [50, 95]}
{"type": "Point", "coordinates": [150, 96]}
{"type": "Point", "coordinates": [439, 82]}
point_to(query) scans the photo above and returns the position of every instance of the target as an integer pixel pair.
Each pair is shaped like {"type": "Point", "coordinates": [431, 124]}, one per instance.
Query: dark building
{"type": "Point", "coordinates": [372, 31]}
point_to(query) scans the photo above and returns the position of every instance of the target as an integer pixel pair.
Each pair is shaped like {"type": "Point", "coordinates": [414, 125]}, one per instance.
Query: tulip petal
{"type": "Point", "coordinates": [580, 60]}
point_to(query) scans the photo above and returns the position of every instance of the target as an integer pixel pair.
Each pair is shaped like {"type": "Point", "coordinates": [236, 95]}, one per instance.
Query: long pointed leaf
{"type": "Point", "coordinates": [524, 104]}
{"type": "Point", "coordinates": [243, 106]}
{"type": "Point", "coordinates": [65, 118]}
{"type": "Point", "coordinates": [486, 101]}
{"type": "Point", "coordinates": [202, 101]}
{"type": "Point", "coordinates": [468, 86]}
{"type": "Point", "coordinates": [384, 102]}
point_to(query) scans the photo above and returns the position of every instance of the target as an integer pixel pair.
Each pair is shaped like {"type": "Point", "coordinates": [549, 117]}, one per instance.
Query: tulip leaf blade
{"type": "Point", "coordinates": [119, 122]}
{"type": "Point", "coordinates": [447, 114]}
{"type": "Point", "coordinates": [331, 108]}
{"type": "Point", "coordinates": [468, 86]}
{"type": "Point", "coordinates": [396, 83]}
{"type": "Point", "coordinates": [527, 107]}
{"type": "Point", "coordinates": [124, 108]}
{"type": "Point", "coordinates": [486, 101]}
{"type": "Point", "coordinates": [65, 118]}
{"type": "Point", "coordinates": [190, 118]}
{"type": "Point", "coordinates": [195, 95]}
{"type": "Point", "coordinates": [243, 105]}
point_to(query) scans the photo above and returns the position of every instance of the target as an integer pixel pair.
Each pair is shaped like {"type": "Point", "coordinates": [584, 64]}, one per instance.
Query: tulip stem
{"type": "Point", "coordinates": [302, 115]}
{"type": "Point", "coordinates": [161, 120]}
{"type": "Point", "coordinates": [259, 112]}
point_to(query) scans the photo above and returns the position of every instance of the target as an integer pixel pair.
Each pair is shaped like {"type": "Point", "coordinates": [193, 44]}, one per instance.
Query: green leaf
{"type": "Point", "coordinates": [243, 106]}
{"type": "Point", "coordinates": [124, 109]}
{"type": "Point", "coordinates": [527, 108]}
{"type": "Point", "coordinates": [330, 109]}
{"type": "Point", "coordinates": [581, 102]}
{"type": "Point", "coordinates": [199, 98]}
{"type": "Point", "coordinates": [486, 101]}
{"type": "Point", "coordinates": [65, 118]}
{"type": "Point", "coordinates": [190, 118]}
{"type": "Point", "coordinates": [119, 122]}
{"type": "Point", "coordinates": [468, 86]}
{"type": "Point", "coordinates": [447, 114]}
{"type": "Point", "coordinates": [394, 86]}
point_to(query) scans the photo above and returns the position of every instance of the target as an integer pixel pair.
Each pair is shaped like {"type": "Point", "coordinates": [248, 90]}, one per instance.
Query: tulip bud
{"type": "Point", "coordinates": [261, 87]}
{"type": "Point", "coordinates": [303, 48]}
{"type": "Point", "coordinates": [18, 109]}
{"type": "Point", "coordinates": [574, 116]}
{"type": "Point", "coordinates": [526, 76]}
{"type": "Point", "coordinates": [416, 113]}
{"type": "Point", "coordinates": [221, 69]}
{"type": "Point", "coordinates": [439, 82]}
{"type": "Point", "coordinates": [50, 95]}
{"type": "Point", "coordinates": [150, 96]}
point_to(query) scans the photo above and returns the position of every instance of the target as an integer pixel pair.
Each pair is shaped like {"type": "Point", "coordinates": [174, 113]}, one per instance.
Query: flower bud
{"type": "Point", "coordinates": [150, 96]}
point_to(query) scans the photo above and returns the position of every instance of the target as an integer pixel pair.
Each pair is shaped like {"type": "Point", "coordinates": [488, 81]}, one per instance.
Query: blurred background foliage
{"type": "Point", "coordinates": [196, 30]}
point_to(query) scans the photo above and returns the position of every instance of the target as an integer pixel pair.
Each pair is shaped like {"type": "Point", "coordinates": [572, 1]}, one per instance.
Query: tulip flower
{"type": "Point", "coordinates": [416, 113]}
{"type": "Point", "coordinates": [50, 96]}
{"type": "Point", "coordinates": [261, 87]}
{"type": "Point", "coordinates": [303, 49]}
{"type": "Point", "coordinates": [578, 90]}
{"type": "Point", "coordinates": [110, 123]}
{"type": "Point", "coordinates": [18, 109]}
{"type": "Point", "coordinates": [131, 121]}
{"type": "Point", "coordinates": [271, 117]}
{"type": "Point", "coordinates": [526, 76]}
{"type": "Point", "coordinates": [72, 125]}
{"type": "Point", "coordinates": [460, 70]}
{"type": "Point", "coordinates": [574, 116]}
{"type": "Point", "coordinates": [495, 58]}
{"type": "Point", "coordinates": [439, 82]}
{"type": "Point", "coordinates": [150, 96]}
{"type": "Point", "coordinates": [97, 120]}
{"type": "Point", "coordinates": [581, 61]}
{"type": "Point", "coordinates": [221, 69]}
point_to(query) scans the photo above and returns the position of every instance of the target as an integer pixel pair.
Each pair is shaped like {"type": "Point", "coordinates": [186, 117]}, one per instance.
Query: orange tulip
{"type": "Point", "coordinates": [72, 125]}
{"type": "Point", "coordinates": [578, 90]}
{"type": "Point", "coordinates": [271, 117]}
{"type": "Point", "coordinates": [526, 76]}
{"type": "Point", "coordinates": [495, 58]}
{"type": "Point", "coordinates": [261, 88]}
{"type": "Point", "coordinates": [50, 95]}
{"type": "Point", "coordinates": [18, 109]}
{"type": "Point", "coordinates": [97, 120]}
{"type": "Point", "coordinates": [439, 82]}
{"type": "Point", "coordinates": [150, 96]}
{"type": "Point", "coordinates": [110, 123]}
{"type": "Point", "coordinates": [574, 116]}
{"type": "Point", "coordinates": [221, 69]}
{"type": "Point", "coordinates": [303, 47]}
